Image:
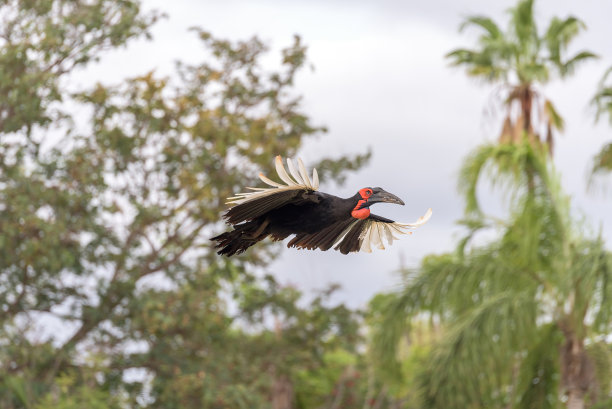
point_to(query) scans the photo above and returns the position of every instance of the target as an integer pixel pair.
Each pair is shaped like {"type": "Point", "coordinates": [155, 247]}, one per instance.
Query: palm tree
{"type": "Point", "coordinates": [603, 104]}
{"type": "Point", "coordinates": [525, 316]}
{"type": "Point", "coordinates": [521, 59]}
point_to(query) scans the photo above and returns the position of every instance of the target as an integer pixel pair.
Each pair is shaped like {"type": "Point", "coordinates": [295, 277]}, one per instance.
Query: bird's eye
{"type": "Point", "coordinates": [368, 192]}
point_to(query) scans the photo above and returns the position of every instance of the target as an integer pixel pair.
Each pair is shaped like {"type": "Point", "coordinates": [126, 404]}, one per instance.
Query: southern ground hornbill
{"type": "Point", "coordinates": [318, 220]}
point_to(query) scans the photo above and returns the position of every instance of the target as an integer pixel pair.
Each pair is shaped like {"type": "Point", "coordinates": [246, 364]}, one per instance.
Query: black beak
{"type": "Point", "coordinates": [385, 197]}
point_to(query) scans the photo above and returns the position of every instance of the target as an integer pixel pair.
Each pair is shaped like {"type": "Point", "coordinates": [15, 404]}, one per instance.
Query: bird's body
{"type": "Point", "coordinates": [317, 219]}
{"type": "Point", "coordinates": [318, 211]}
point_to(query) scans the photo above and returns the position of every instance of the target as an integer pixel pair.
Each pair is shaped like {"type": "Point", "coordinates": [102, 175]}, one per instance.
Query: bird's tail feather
{"type": "Point", "coordinates": [237, 240]}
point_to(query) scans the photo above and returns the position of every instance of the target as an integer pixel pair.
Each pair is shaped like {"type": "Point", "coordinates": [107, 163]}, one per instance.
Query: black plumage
{"type": "Point", "coordinates": [318, 220]}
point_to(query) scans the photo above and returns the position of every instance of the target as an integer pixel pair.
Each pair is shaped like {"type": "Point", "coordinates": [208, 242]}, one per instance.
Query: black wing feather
{"type": "Point", "coordinates": [351, 243]}
{"type": "Point", "coordinates": [323, 239]}
{"type": "Point", "coordinates": [352, 240]}
{"type": "Point", "coordinates": [378, 218]}
{"type": "Point", "coordinates": [257, 207]}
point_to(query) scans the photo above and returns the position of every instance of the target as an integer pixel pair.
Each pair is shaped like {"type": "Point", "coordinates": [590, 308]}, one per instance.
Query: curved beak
{"type": "Point", "coordinates": [385, 197]}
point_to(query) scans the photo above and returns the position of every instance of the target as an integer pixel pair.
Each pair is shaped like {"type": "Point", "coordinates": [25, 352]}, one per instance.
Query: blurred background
{"type": "Point", "coordinates": [124, 125]}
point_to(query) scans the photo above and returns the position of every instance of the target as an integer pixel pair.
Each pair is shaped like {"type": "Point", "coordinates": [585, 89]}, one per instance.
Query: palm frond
{"type": "Point", "coordinates": [552, 116]}
{"type": "Point", "coordinates": [533, 72]}
{"type": "Point", "coordinates": [491, 28]}
{"type": "Point", "coordinates": [600, 286]}
{"type": "Point", "coordinates": [602, 163]}
{"type": "Point", "coordinates": [538, 380]}
{"type": "Point", "coordinates": [396, 312]}
{"type": "Point", "coordinates": [489, 61]}
{"type": "Point", "coordinates": [509, 165]}
{"type": "Point", "coordinates": [445, 286]}
{"type": "Point", "coordinates": [480, 64]}
{"type": "Point", "coordinates": [600, 355]}
{"type": "Point", "coordinates": [559, 34]}
{"type": "Point", "coordinates": [569, 66]}
{"type": "Point", "coordinates": [537, 236]}
{"type": "Point", "coordinates": [470, 174]}
{"type": "Point", "coordinates": [602, 101]}
{"type": "Point", "coordinates": [524, 26]}
{"type": "Point", "coordinates": [585, 269]}
{"type": "Point", "coordinates": [472, 364]}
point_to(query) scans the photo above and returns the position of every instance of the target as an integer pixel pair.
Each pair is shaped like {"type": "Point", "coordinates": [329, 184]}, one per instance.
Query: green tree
{"type": "Point", "coordinates": [521, 59]}
{"type": "Point", "coordinates": [521, 314]}
{"type": "Point", "coordinates": [198, 355]}
{"type": "Point", "coordinates": [397, 380]}
{"type": "Point", "coordinates": [104, 228]}
{"type": "Point", "coordinates": [525, 316]}
{"type": "Point", "coordinates": [602, 101]}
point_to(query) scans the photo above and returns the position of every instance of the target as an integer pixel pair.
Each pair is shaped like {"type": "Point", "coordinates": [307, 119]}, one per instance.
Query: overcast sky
{"type": "Point", "coordinates": [381, 81]}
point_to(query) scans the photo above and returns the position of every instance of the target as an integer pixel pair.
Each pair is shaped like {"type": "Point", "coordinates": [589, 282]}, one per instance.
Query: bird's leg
{"type": "Point", "coordinates": [259, 230]}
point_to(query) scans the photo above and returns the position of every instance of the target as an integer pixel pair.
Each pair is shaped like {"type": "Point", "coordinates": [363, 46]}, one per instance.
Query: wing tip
{"type": "Point", "coordinates": [425, 218]}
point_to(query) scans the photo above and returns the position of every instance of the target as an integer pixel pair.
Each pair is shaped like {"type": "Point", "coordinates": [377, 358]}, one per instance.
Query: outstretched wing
{"type": "Point", "coordinates": [250, 205]}
{"type": "Point", "coordinates": [323, 239]}
{"type": "Point", "coordinates": [352, 235]}
{"type": "Point", "coordinates": [360, 235]}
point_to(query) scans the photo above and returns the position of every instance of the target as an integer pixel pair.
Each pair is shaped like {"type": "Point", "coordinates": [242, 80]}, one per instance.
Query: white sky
{"type": "Point", "coordinates": [381, 81]}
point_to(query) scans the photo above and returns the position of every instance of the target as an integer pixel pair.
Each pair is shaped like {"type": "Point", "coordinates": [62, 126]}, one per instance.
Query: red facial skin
{"type": "Point", "coordinates": [358, 213]}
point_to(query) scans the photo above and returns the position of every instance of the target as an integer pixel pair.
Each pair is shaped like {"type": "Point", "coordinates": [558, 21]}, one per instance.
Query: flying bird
{"type": "Point", "coordinates": [317, 219]}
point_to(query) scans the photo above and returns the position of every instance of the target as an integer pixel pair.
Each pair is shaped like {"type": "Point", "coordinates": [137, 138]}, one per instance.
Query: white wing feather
{"type": "Point", "coordinates": [292, 170]}
{"type": "Point", "coordinates": [298, 182]}
{"type": "Point", "coordinates": [315, 179]}
{"type": "Point", "coordinates": [375, 233]}
{"type": "Point", "coordinates": [282, 173]}
{"type": "Point", "coordinates": [304, 174]}
{"type": "Point", "coordinates": [376, 239]}
{"type": "Point", "coordinates": [365, 244]}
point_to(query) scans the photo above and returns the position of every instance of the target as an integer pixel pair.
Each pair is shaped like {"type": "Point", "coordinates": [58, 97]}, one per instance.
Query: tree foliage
{"type": "Point", "coordinates": [521, 58]}
{"type": "Point", "coordinates": [112, 296]}
{"type": "Point", "coordinates": [602, 101]}
{"type": "Point", "coordinates": [518, 311]}
{"type": "Point", "coordinates": [110, 291]}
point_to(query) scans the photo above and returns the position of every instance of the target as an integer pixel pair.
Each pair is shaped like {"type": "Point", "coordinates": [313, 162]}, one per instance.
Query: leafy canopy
{"type": "Point", "coordinates": [104, 227]}
{"type": "Point", "coordinates": [516, 311]}
{"type": "Point", "coordinates": [521, 58]}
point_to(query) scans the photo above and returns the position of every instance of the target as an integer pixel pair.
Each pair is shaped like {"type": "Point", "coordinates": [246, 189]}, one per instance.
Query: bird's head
{"type": "Point", "coordinates": [367, 196]}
